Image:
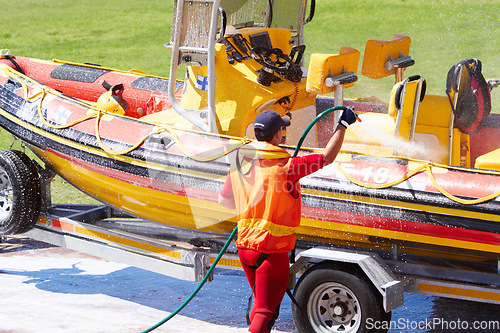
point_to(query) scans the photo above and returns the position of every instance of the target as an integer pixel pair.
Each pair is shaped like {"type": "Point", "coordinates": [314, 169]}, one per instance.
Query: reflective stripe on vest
{"type": "Point", "coordinates": [274, 229]}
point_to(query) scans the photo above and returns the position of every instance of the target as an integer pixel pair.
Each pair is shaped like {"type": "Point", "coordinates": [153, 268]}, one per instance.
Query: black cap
{"type": "Point", "coordinates": [269, 122]}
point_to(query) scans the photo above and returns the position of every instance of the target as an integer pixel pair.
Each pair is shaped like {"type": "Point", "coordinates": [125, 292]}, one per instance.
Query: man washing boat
{"type": "Point", "coordinates": [265, 192]}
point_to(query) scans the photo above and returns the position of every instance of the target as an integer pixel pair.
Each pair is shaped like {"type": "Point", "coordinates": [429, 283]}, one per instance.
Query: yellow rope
{"type": "Point", "coordinates": [427, 166]}
{"type": "Point", "coordinates": [454, 198]}
{"type": "Point", "coordinates": [380, 186]}
{"type": "Point", "coordinates": [241, 142]}
{"type": "Point", "coordinates": [116, 152]}
{"type": "Point", "coordinates": [444, 166]}
{"type": "Point", "coordinates": [98, 114]}
{"type": "Point", "coordinates": [46, 123]}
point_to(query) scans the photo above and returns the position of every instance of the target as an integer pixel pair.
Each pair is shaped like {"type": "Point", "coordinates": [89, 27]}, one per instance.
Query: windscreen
{"type": "Point", "coordinates": [247, 13]}
{"type": "Point", "coordinates": [196, 17]}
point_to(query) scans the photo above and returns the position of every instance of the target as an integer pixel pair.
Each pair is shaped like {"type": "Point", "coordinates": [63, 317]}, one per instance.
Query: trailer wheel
{"type": "Point", "coordinates": [20, 193]}
{"type": "Point", "coordinates": [336, 301]}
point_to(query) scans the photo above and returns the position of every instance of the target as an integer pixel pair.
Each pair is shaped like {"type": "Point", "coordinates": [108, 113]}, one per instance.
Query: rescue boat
{"type": "Point", "coordinates": [413, 174]}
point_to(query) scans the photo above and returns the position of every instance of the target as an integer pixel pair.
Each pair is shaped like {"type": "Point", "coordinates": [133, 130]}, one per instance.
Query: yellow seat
{"type": "Point", "coordinates": [404, 105]}
{"type": "Point", "coordinates": [379, 53]}
{"type": "Point", "coordinates": [434, 111]}
{"type": "Point", "coordinates": [489, 161]}
{"type": "Point", "coordinates": [422, 123]}
{"type": "Point", "coordinates": [327, 70]}
{"type": "Point", "coordinates": [399, 123]}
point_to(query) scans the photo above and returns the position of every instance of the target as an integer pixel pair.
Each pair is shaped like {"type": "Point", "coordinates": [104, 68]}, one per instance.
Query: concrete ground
{"type": "Point", "coordinates": [52, 289]}
{"type": "Point", "coordinates": [45, 289]}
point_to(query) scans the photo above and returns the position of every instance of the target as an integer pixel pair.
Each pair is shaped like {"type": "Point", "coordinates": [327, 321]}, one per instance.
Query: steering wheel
{"type": "Point", "coordinates": [274, 59]}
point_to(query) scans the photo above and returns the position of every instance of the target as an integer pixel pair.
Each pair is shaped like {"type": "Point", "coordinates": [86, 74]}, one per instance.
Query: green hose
{"type": "Point", "coordinates": [312, 123]}
{"type": "Point", "coordinates": [226, 245]}
{"type": "Point", "coordinates": [193, 294]}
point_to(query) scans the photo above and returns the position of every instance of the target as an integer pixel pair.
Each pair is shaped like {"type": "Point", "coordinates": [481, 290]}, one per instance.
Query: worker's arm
{"type": "Point", "coordinates": [333, 146]}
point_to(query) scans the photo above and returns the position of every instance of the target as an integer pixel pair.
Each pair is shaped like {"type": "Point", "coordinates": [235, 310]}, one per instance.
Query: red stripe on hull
{"type": "Point", "coordinates": [405, 226]}
{"type": "Point", "coordinates": [140, 181]}
{"type": "Point", "coordinates": [348, 218]}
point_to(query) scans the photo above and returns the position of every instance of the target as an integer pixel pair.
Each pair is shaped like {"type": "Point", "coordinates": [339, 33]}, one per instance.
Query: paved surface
{"type": "Point", "coordinates": [52, 289]}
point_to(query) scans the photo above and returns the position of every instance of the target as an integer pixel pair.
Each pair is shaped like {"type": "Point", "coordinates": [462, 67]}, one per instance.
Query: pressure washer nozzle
{"type": "Point", "coordinates": [355, 114]}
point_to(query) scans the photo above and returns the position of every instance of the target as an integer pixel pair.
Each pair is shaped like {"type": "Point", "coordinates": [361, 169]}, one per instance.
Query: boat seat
{"type": "Point", "coordinates": [385, 57]}
{"type": "Point", "coordinates": [404, 105]}
{"type": "Point", "coordinates": [490, 161]}
{"type": "Point", "coordinates": [431, 129]}
{"type": "Point", "coordinates": [399, 122]}
{"type": "Point", "coordinates": [327, 71]}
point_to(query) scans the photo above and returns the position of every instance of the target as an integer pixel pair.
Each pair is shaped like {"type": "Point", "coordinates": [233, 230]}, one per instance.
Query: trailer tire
{"type": "Point", "coordinates": [336, 301]}
{"type": "Point", "coordinates": [20, 193]}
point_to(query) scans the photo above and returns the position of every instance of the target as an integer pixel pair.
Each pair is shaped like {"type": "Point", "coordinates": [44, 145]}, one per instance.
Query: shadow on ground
{"type": "Point", "coordinates": [222, 301]}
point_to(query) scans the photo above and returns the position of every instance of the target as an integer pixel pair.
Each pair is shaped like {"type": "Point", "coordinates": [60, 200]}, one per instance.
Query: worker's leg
{"type": "Point", "coordinates": [269, 282]}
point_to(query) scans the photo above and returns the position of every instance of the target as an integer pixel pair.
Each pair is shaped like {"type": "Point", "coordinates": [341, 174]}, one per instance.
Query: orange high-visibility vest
{"type": "Point", "coordinates": [267, 213]}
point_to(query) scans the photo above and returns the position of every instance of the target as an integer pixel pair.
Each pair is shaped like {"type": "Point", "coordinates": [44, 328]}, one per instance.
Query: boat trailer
{"type": "Point", "coordinates": [111, 234]}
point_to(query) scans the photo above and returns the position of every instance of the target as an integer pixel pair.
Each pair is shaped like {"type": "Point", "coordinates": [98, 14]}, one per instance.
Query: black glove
{"type": "Point", "coordinates": [348, 117]}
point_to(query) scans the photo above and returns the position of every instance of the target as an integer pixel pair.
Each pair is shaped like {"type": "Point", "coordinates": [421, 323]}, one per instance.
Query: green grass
{"type": "Point", "coordinates": [131, 33]}
{"type": "Point", "coordinates": [442, 32]}
{"type": "Point", "coordinates": [126, 34]}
